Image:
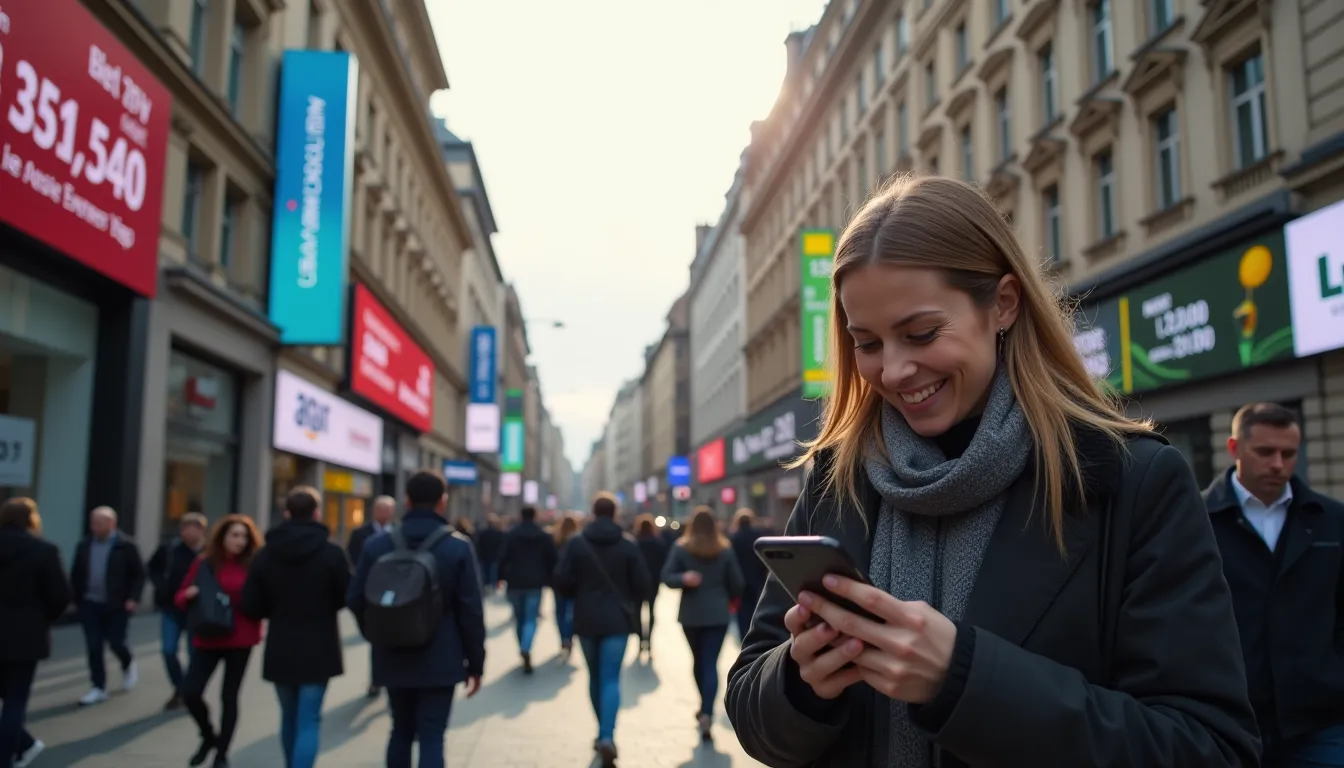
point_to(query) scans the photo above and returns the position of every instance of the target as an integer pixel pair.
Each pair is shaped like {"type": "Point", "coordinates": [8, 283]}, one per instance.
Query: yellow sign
{"type": "Point", "coordinates": [818, 243]}
{"type": "Point", "coordinates": [338, 482]}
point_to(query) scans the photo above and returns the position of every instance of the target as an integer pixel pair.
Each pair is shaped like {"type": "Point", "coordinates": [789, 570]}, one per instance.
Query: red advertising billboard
{"type": "Point", "coordinates": [387, 367]}
{"type": "Point", "coordinates": [83, 137]}
{"type": "Point", "coordinates": [709, 462]}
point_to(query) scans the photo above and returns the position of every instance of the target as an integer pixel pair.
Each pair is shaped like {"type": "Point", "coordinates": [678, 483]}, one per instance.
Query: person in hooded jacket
{"type": "Point", "coordinates": [526, 562]}
{"type": "Point", "coordinates": [298, 583]}
{"type": "Point", "coordinates": [605, 573]}
{"type": "Point", "coordinates": [654, 549]}
{"type": "Point", "coordinates": [167, 568]}
{"type": "Point", "coordinates": [33, 595]}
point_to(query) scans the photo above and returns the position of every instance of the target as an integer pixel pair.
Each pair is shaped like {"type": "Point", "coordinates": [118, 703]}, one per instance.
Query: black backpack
{"type": "Point", "coordinates": [211, 612]}
{"type": "Point", "coordinates": [402, 596]}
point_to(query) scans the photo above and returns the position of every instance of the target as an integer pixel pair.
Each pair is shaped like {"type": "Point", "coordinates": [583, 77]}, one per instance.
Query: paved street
{"type": "Point", "coordinates": [515, 721]}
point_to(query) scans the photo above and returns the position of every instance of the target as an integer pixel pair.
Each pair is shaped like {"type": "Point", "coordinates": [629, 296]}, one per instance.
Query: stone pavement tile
{"type": "Point", "coordinates": [542, 720]}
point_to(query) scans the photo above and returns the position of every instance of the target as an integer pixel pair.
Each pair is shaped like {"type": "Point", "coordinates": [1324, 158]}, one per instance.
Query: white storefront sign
{"type": "Point", "coordinates": [312, 422]}
{"type": "Point", "coordinates": [1315, 245]}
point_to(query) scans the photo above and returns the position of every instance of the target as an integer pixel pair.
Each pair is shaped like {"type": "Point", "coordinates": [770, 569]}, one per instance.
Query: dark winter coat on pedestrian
{"type": "Point", "coordinates": [33, 595]}
{"type": "Point", "coordinates": [603, 605]}
{"type": "Point", "coordinates": [358, 538]}
{"type": "Point", "coordinates": [297, 583]}
{"type": "Point", "coordinates": [654, 550]}
{"type": "Point", "coordinates": [1122, 652]}
{"type": "Point", "coordinates": [166, 570]}
{"type": "Point", "coordinates": [458, 648]}
{"type": "Point", "coordinates": [1290, 607]}
{"type": "Point", "coordinates": [125, 571]}
{"type": "Point", "coordinates": [528, 557]}
{"type": "Point", "coordinates": [721, 582]}
{"type": "Point", "coordinates": [753, 570]}
{"type": "Point", "coordinates": [489, 541]}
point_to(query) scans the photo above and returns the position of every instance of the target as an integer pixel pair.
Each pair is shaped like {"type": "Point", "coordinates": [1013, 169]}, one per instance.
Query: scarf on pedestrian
{"type": "Point", "coordinates": [935, 521]}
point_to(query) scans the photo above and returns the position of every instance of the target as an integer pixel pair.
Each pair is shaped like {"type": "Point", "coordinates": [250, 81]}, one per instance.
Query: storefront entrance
{"type": "Point", "coordinates": [345, 495]}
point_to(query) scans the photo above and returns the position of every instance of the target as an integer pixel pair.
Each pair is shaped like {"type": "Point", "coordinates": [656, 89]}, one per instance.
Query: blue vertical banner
{"type": "Point", "coordinates": [678, 471]}
{"type": "Point", "coordinates": [314, 171]}
{"type": "Point", "coordinates": [482, 364]}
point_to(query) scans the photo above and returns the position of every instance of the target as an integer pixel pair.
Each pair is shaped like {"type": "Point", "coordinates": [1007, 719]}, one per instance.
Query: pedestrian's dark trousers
{"type": "Point", "coordinates": [418, 715]}
{"type": "Point", "coordinates": [16, 683]}
{"type": "Point", "coordinates": [104, 626]}
{"type": "Point", "coordinates": [647, 635]}
{"type": "Point", "coordinates": [706, 642]}
{"type": "Point", "coordinates": [199, 671]}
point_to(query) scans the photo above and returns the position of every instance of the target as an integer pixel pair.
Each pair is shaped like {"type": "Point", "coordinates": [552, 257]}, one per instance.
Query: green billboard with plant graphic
{"type": "Point", "coordinates": [1224, 314]}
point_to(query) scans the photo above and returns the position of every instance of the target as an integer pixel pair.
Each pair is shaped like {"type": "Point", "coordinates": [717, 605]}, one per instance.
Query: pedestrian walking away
{"type": "Point", "coordinates": [489, 540]}
{"type": "Point", "coordinates": [425, 620]}
{"type": "Point", "coordinates": [603, 571]}
{"type": "Point", "coordinates": [1280, 544]}
{"type": "Point", "coordinates": [654, 549]}
{"type": "Point", "coordinates": [212, 596]}
{"type": "Point", "coordinates": [745, 534]}
{"type": "Point", "coordinates": [166, 569]}
{"type": "Point", "coordinates": [564, 606]}
{"type": "Point", "coordinates": [297, 584]}
{"type": "Point", "coordinates": [107, 577]}
{"type": "Point", "coordinates": [1048, 586]}
{"type": "Point", "coordinates": [703, 566]}
{"type": "Point", "coordinates": [33, 595]}
{"type": "Point", "coordinates": [526, 561]}
{"type": "Point", "coordinates": [383, 509]}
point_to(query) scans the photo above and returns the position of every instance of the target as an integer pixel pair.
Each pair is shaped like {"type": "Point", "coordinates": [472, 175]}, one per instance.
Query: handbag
{"type": "Point", "coordinates": [211, 613]}
{"type": "Point", "coordinates": [631, 618]}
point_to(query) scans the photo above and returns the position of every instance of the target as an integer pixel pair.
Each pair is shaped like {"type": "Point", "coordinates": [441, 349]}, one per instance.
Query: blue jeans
{"type": "Point", "coordinates": [526, 608]}
{"type": "Point", "coordinates": [104, 625]}
{"type": "Point", "coordinates": [564, 618]}
{"type": "Point", "coordinates": [172, 628]}
{"type": "Point", "coordinates": [300, 722]}
{"type": "Point", "coordinates": [1322, 749]}
{"type": "Point", "coordinates": [418, 715]}
{"type": "Point", "coordinates": [605, 656]}
{"type": "Point", "coordinates": [706, 642]}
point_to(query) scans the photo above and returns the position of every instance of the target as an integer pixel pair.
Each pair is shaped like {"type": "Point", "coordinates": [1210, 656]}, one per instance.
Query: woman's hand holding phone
{"type": "Point", "coordinates": [905, 659]}
{"type": "Point", "coordinates": [690, 579]}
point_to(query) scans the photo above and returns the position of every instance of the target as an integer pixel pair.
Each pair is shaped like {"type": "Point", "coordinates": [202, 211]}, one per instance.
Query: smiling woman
{"type": "Point", "coordinates": [1024, 539]}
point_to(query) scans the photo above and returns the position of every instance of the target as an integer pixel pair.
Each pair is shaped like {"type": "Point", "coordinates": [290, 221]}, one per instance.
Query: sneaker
{"type": "Point", "coordinates": [607, 751]}
{"type": "Point", "coordinates": [130, 676]}
{"type": "Point", "coordinates": [527, 663]}
{"type": "Point", "coordinates": [26, 759]}
{"type": "Point", "coordinates": [94, 696]}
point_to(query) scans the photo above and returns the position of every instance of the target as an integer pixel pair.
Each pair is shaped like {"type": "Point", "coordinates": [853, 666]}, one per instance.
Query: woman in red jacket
{"type": "Point", "coordinates": [228, 554]}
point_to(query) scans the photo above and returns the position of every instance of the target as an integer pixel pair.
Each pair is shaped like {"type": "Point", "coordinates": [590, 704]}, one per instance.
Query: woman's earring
{"type": "Point", "coordinates": [1003, 333]}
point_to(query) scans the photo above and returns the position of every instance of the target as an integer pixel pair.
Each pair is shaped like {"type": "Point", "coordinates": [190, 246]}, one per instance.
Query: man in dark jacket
{"type": "Point", "coordinates": [108, 578]}
{"type": "Point", "coordinates": [605, 572]}
{"type": "Point", "coordinates": [753, 570]}
{"type": "Point", "coordinates": [420, 681]}
{"type": "Point", "coordinates": [1281, 556]}
{"type": "Point", "coordinates": [526, 562]}
{"type": "Point", "coordinates": [167, 568]}
{"type": "Point", "coordinates": [298, 582]}
{"type": "Point", "coordinates": [383, 509]}
{"type": "Point", "coordinates": [489, 541]}
{"type": "Point", "coordinates": [33, 594]}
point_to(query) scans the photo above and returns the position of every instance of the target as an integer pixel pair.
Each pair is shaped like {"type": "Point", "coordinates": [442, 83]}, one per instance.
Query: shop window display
{"type": "Point", "coordinates": [201, 449]}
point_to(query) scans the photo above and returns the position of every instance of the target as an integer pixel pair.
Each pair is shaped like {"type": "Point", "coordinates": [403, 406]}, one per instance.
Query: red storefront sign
{"type": "Point", "coordinates": [728, 495]}
{"type": "Point", "coordinates": [709, 462]}
{"type": "Point", "coordinates": [387, 367]}
{"type": "Point", "coordinates": [83, 137]}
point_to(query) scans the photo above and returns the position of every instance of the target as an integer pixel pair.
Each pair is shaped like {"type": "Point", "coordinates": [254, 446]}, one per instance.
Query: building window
{"type": "Point", "coordinates": [1162, 14]}
{"type": "Point", "coordinates": [237, 49]}
{"type": "Point", "coordinates": [844, 119]}
{"type": "Point", "coordinates": [1167, 147]}
{"type": "Point", "coordinates": [191, 209]}
{"type": "Point", "coordinates": [967, 155]}
{"type": "Point", "coordinates": [201, 450]}
{"type": "Point", "coordinates": [1000, 12]}
{"type": "Point", "coordinates": [860, 95]}
{"type": "Point", "coordinates": [902, 35]}
{"type": "Point", "coordinates": [228, 231]}
{"type": "Point", "coordinates": [1054, 244]}
{"type": "Point", "coordinates": [1102, 60]}
{"type": "Point", "coordinates": [879, 68]}
{"type": "Point", "coordinates": [1003, 116]}
{"type": "Point", "coordinates": [1250, 127]}
{"type": "Point", "coordinates": [880, 155]}
{"type": "Point", "coordinates": [930, 85]}
{"type": "Point", "coordinates": [1105, 171]}
{"type": "Point", "coordinates": [1049, 83]}
{"type": "Point", "coordinates": [200, 10]}
{"type": "Point", "coordinates": [902, 130]}
{"type": "Point", "coordinates": [963, 47]}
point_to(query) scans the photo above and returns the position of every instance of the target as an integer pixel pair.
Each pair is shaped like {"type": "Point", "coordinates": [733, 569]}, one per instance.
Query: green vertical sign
{"type": "Point", "coordinates": [511, 441]}
{"type": "Point", "coordinates": [817, 248]}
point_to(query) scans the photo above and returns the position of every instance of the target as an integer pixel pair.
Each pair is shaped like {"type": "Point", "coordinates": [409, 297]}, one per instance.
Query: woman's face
{"type": "Point", "coordinates": [235, 540]}
{"type": "Point", "coordinates": [923, 345]}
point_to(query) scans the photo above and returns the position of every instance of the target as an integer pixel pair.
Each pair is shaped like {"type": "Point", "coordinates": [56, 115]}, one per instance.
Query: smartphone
{"type": "Point", "coordinates": [800, 563]}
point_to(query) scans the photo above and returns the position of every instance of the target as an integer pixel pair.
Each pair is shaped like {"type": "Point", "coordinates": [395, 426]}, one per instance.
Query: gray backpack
{"type": "Point", "coordinates": [402, 595]}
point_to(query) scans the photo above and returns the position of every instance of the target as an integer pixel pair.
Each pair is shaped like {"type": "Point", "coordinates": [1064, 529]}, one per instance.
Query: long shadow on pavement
{"type": "Point", "coordinates": [107, 742]}
{"type": "Point", "coordinates": [637, 679]}
{"type": "Point", "coordinates": [508, 696]}
{"type": "Point", "coordinates": [338, 727]}
{"type": "Point", "coordinates": [706, 756]}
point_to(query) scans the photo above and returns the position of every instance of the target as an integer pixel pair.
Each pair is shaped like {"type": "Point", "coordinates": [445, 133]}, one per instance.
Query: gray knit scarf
{"type": "Point", "coordinates": [936, 519]}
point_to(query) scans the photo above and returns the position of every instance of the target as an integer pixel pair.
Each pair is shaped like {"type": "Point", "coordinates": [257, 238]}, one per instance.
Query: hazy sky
{"type": "Point", "coordinates": [606, 129]}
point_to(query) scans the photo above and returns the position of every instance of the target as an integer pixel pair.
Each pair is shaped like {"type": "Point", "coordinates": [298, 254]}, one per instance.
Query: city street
{"type": "Point", "coordinates": [514, 722]}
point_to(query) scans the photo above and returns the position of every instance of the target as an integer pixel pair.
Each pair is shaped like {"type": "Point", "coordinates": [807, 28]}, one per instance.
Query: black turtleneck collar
{"type": "Point", "coordinates": [956, 440]}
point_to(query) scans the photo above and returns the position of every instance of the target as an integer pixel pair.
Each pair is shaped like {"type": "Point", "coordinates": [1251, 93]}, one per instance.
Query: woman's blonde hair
{"type": "Point", "coordinates": [948, 225]}
{"type": "Point", "coordinates": [565, 528]}
{"type": "Point", "coordinates": [702, 537]}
